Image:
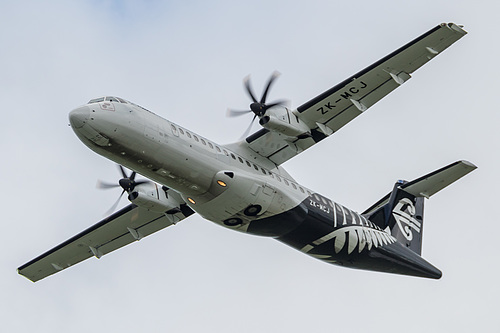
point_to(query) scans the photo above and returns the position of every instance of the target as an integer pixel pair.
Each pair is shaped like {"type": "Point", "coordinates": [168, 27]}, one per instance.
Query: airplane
{"type": "Point", "coordinates": [244, 187]}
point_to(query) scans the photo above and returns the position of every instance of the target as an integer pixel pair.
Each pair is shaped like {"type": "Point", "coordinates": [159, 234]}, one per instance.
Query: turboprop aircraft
{"type": "Point", "coordinates": [243, 186]}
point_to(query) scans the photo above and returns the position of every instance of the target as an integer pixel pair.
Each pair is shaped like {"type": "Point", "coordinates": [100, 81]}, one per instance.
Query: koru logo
{"type": "Point", "coordinates": [404, 213]}
{"type": "Point", "coordinates": [107, 106]}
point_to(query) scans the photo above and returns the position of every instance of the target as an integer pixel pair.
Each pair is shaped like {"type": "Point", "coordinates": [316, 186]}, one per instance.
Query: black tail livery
{"type": "Point", "coordinates": [402, 210]}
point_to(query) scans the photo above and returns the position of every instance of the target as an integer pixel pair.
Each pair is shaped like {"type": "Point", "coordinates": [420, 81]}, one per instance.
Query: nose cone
{"type": "Point", "coordinates": [78, 117]}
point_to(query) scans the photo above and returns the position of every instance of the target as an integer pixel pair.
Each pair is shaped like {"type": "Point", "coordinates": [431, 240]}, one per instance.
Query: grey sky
{"type": "Point", "coordinates": [186, 61]}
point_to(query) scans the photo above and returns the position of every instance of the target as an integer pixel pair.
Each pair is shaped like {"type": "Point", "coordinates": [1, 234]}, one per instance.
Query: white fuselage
{"type": "Point", "coordinates": [186, 162]}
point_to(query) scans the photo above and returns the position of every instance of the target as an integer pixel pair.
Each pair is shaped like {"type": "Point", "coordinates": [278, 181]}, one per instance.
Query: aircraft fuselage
{"type": "Point", "coordinates": [240, 190]}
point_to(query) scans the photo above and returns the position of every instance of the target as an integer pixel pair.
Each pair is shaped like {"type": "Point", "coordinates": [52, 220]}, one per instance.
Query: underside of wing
{"type": "Point", "coordinates": [331, 110]}
{"type": "Point", "coordinates": [123, 227]}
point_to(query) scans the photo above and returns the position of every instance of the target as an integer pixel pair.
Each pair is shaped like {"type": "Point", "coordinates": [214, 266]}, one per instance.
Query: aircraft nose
{"type": "Point", "coordinates": [79, 116]}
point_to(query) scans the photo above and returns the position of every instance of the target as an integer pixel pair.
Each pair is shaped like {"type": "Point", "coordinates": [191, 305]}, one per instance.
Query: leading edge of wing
{"type": "Point", "coordinates": [96, 226]}
{"type": "Point", "coordinates": [81, 234]}
{"type": "Point", "coordinates": [342, 84]}
{"type": "Point", "coordinates": [119, 229]}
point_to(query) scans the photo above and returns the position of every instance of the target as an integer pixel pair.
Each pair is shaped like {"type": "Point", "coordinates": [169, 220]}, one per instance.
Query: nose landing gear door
{"type": "Point", "coordinates": [261, 197]}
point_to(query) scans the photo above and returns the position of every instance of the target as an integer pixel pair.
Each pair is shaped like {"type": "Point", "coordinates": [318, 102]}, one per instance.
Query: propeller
{"type": "Point", "coordinates": [127, 183]}
{"type": "Point", "coordinates": [258, 107]}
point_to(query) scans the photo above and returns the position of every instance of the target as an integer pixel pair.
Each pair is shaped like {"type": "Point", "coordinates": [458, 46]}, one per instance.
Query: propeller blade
{"type": "Point", "coordinates": [113, 208]}
{"type": "Point", "coordinates": [232, 113]}
{"type": "Point", "coordinates": [124, 174]}
{"type": "Point", "coordinates": [127, 183]}
{"type": "Point", "coordinates": [248, 129]}
{"type": "Point", "coordinates": [273, 77]}
{"type": "Point", "coordinates": [249, 89]}
{"type": "Point", "coordinates": [141, 182]}
{"type": "Point", "coordinates": [103, 185]}
{"type": "Point", "coordinates": [280, 102]}
{"type": "Point", "coordinates": [132, 176]}
{"type": "Point", "coordinates": [258, 108]}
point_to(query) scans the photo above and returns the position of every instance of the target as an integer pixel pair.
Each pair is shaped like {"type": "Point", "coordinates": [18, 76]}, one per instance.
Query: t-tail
{"type": "Point", "coordinates": [402, 211]}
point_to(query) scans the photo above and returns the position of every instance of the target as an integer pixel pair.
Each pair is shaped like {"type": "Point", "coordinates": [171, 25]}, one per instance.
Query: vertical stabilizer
{"type": "Point", "coordinates": [406, 219]}
{"type": "Point", "coordinates": [402, 210]}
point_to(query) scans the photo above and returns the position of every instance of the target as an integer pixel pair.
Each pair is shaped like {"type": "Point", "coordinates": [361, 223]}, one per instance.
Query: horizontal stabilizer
{"type": "Point", "coordinates": [429, 184]}
{"type": "Point", "coordinates": [434, 182]}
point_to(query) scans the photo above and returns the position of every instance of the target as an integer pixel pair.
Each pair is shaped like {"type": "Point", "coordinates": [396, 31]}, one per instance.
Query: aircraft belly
{"type": "Point", "coordinates": [342, 237]}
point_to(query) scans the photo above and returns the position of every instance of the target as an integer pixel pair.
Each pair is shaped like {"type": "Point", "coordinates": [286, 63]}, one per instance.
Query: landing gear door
{"type": "Point", "coordinates": [261, 195]}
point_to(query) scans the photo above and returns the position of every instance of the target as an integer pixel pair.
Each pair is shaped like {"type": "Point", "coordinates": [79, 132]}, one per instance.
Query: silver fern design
{"type": "Point", "coordinates": [353, 237]}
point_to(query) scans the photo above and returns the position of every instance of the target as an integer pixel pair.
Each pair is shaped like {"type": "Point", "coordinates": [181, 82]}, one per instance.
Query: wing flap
{"type": "Point", "coordinates": [123, 227]}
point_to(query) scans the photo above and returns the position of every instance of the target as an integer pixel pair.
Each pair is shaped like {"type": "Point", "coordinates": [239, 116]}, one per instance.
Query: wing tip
{"type": "Point", "coordinates": [25, 276]}
{"type": "Point", "coordinates": [469, 164]}
{"type": "Point", "coordinates": [456, 27]}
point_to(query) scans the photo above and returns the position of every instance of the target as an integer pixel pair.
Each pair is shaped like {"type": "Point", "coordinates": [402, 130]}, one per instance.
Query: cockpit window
{"type": "Point", "coordinates": [96, 100]}
{"type": "Point", "coordinates": [107, 98]}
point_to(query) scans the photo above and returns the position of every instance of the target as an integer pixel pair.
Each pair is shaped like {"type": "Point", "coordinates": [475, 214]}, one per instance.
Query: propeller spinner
{"type": "Point", "coordinates": [127, 183]}
{"type": "Point", "coordinates": [259, 108]}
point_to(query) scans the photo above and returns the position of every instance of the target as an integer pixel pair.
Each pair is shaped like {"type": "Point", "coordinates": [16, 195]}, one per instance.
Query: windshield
{"type": "Point", "coordinates": [107, 98]}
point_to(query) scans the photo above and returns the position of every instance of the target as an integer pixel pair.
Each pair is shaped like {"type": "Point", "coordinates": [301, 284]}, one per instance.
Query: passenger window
{"type": "Point", "coordinates": [294, 187]}
{"type": "Point", "coordinates": [248, 163]}
{"type": "Point", "coordinates": [278, 178]}
{"type": "Point", "coordinates": [233, 157]}
{"type": "Point", "coordinates": [286, 182]}
{"type": "Point", "coordinates": [181, 131]}
{"type": "Point", "coordinates": [263, 171]}
{"type": "Point", "coordinates": [226, 153]}
{"type": "Point", "coordinates": [174, 130]}
{"type": "Point", "coordinates": [196, 138]}
{"type": "Point", "coordinates": [301, 190]}
{"type": "Point", "coordinates": [188, 135]}
{"type": "Point", "coordinates": [211, 145]}
{"type": "Point", "coordinates": [203, 142]}
{"type": "Point", "coordinates": [239, 159]}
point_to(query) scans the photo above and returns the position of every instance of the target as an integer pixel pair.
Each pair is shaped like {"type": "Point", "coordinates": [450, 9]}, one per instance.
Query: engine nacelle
{"type": "Point", "coordinates": [153, 198]}
{"type": "Point", "coordinates": [280, 119]}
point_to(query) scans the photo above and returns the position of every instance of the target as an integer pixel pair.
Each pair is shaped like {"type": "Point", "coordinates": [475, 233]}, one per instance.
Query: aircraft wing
{"type": "Point", "coordinates": [330, 111]}
{"type": "Point", "coordinates": [123, 227]}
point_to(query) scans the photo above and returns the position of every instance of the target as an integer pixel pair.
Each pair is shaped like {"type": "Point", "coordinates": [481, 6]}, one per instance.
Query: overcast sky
{"type": "Point", "coordinates": [185, 60]}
